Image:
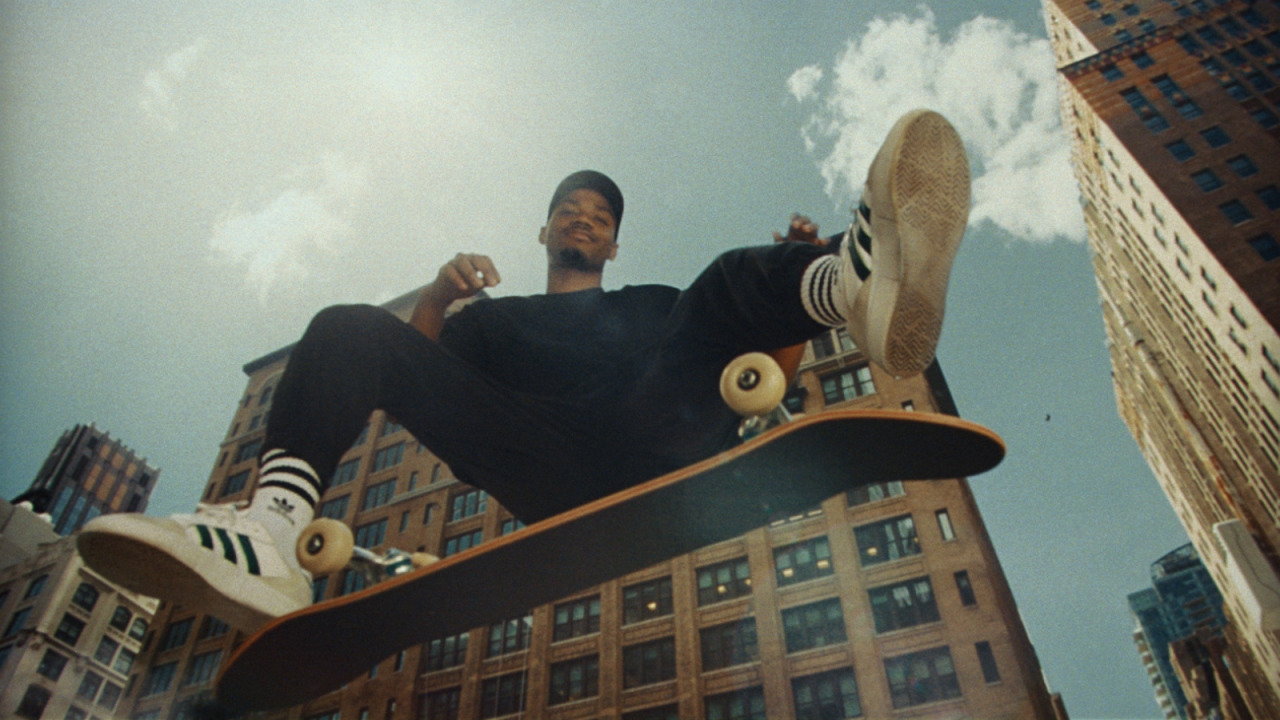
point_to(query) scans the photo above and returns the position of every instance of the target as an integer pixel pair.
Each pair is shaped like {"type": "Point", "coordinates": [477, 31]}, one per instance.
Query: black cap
{"type": "Point", "coordinates": [590, 180]}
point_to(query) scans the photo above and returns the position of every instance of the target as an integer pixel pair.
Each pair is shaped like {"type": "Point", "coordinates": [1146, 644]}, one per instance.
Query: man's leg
{"type": "Point", "coordinates": [239, 565]}
{"type": "Point", "coordinates": [886, 285]}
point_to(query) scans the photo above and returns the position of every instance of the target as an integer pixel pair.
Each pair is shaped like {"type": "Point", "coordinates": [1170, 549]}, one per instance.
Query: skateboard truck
{"type": "Point", "coordinates": [327, 545]}
{"type": "Point", "coordinates": [753, 386]}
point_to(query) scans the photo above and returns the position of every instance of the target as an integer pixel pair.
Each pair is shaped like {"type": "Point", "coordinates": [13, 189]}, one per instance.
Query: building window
{"type": "Point", "coordinates": [465, 541]}
{"type": "Point", "coordinates": [944, 525]}
{"type": "Point", "coordinates": [346, 472]}
{"type": "Point", "coordinates": [729, 644]}
{"type": "Point", "coordinates": [502, 695]}
{"type": "Point", "coordinates": [803, 561]}
{"type": "Point", "coordinates": [1206, 180]}
{"type": "Point", "coordinates": [86, 596]}
{"type": "Point", "coordinates": [124, 661]}
{"type": "Point", "coordinates": [1266, 246]}
{"type": "Point", "coordinates": [447, 652]}
{"type": "Point", "coordinates": [848, 384]}
{"type": "Point", "coordinates": [829, 695]}
{"type": "Point", "coordinates": [110, 696]}
{"type": "Point", "coordinates": [212, 627]}
{"type": "Point", "coordinates": [664, 712]}
{"type": "Point", "coordinates": [813, 626]}
{"type": "Point", "coordinates": [510, 636]}
{"type": "Point", "coordinates": [1242, 166]}
{"type": "Point", "coordinates": [1215, 136]}
{"type": "Point", "coordinates": [33, 702]}
{"type": "Point", "coordinates": [574, 680]}
{"type": "Point", "coordinates": [922, 677]}
{"type": "Point", "coordinates": [649, 663]}
{"type": "Point", "coordinates": [874, 493]}
{"type": "Point", "coordinates": [388, 457]}
{"type": "Point", "coordinates": [1236, 212]}
{"type": "Point", "coordinates": [375, 496]}
{"type": "Point", "coordinates": [120, 618]}
{"type": "Point", "coordinates": [1270, 197]}
{"type": "Point", "coordinates": [1142, 59]}
{"type": "Point", "coordinates": [51, 665]}
{"type": "Point", "coordinates": [248, 451]}
{"type": "Point", "coordinates": [468, 504]}
{"type": "Point", "coordinates": [335, 509]}
{"type": "Point", "coordinates": [106, 651]}
{"type": "Point", "coordinates": [724, 581]}
{"type": "Point", "coordinates": [69, 629]}
{"type": "Point", "coordinates": [987, 659]}
{"type": "Point", "coordinates": [576, 618]}
{"type": "Point", "coordinates": [647, 600]}
{"type": "Point", "coordinates": [1264, 117]}
{"type": "Point", "coordinates": [737, 705]}
{"type": "Point", "coordinates": [36, 587]}
{"type": "Point", "coordinates": [372, 534]}
{"type": "Point", "coordinates": [887, 540]}
{"type": "Point", "coordinates": [160, 679]}
{"type": "Point", "coordinates": [1180, 150]}
{"type": "Point", "coordinates": [1111, 72]}
{"type": "Point", "coordinates": [235, 483]}
{"type": "Point", "coordinates": [510, 525]}
{"type": "Point", "coordinates": [965, 589]}
{"type": "Point", "coordinates": [176, 634]}
{"type": "Point", "coordinates": [202, 668]}
{"type": "Point", "coordinates": [903, 605]}
{"type": "Point", "coordinates": [442, 704]}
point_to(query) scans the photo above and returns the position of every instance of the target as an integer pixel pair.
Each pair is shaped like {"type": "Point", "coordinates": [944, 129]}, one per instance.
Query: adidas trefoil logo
{"type": "Point", "coordinates": [283, 508]}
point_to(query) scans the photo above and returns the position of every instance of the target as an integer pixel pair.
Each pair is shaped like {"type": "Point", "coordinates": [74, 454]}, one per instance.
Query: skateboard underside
{"type": "Point", "coordinates": [786, 471]}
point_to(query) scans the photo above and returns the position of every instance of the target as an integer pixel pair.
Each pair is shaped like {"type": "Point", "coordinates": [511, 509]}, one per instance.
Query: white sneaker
{"type": "Point", "coordinates": [914, 209]}
{"type": "Point", "coordinates": [215, 561]}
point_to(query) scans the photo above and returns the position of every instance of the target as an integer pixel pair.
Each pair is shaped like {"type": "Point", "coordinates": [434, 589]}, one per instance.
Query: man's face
{"type": "Point", "coordinates": [581, 232]}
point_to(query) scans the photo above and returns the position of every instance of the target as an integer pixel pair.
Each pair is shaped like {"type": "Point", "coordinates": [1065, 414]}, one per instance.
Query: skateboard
{"type": "Point", "coordinates": [783, 471]}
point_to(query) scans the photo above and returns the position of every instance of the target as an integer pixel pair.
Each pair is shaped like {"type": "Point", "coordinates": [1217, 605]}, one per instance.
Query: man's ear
{"type": "Point", "coordinates": [613, 254]}
{"type": "Point", "coordinates": [542, 235]}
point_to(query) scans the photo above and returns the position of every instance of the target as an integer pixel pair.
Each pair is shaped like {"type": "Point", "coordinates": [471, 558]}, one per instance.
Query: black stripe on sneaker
{"type": "Point", "coordinates": [228, 548]}
{"type": "Point", "coordinates": [206, 537]}
{"type": "Point", "coordinates": [826, 282]}
{"type": "Point", "coordinates": [250, 557]}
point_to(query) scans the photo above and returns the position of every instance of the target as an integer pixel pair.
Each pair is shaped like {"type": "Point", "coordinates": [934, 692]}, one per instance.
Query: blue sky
{"type": "Point", "coordinates": [181, 188]}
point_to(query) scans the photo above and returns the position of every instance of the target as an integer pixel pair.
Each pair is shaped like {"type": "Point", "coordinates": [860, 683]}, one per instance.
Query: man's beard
{"type": "Point", "coordinates": [574, 259]}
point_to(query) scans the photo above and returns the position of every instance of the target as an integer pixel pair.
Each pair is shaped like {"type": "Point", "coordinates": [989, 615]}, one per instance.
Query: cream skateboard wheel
{"type": "Point", "coordinates": [753, 384]}
{"type": "Point", "coordinates": [325, 546]}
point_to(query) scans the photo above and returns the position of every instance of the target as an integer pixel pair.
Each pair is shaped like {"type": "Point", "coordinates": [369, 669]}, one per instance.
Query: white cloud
{"type": "Point", "coordinates": [997, 85]}
{"type": "Point", "coordinates": [159, 85]}
{"type": "Point", "coordinates": [279, 242]}
{"type": "Point", "coordinates": [803, 83]}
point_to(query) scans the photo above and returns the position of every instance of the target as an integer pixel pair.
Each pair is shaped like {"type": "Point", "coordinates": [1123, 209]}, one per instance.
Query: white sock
{"type": "Point", "coordinates": [285, 501]}
{"type": "Point", "coordinates": [822, 291]}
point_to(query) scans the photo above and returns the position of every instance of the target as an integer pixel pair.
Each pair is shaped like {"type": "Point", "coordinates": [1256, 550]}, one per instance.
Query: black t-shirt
{"type": "Point", "coordinates": [562, 344]}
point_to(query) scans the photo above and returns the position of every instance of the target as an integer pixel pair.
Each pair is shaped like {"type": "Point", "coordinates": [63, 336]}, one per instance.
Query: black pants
{"type": "Point", "coordinates": [537, 455]}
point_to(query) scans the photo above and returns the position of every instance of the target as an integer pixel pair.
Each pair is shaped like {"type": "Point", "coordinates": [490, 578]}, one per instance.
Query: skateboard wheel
{"type": "Point", "coordinates": [753, 384]}
{"type": "Point", "coordinates": [325, 546]}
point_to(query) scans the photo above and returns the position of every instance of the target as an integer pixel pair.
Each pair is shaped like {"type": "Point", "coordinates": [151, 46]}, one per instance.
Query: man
{"type": "Point", "coordinates": [553, 400]}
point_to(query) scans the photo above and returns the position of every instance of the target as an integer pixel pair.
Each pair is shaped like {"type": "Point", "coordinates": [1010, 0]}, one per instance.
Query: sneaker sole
{"type": "Point", "coordinates": [923, 170]}
{"type": "Point", "coordinates": [143, 557]}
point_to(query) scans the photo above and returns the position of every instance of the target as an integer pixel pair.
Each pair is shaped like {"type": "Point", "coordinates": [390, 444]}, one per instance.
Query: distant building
{"type": "Point", "coordinates": [88, 474]}
{"type": "Point", "coordinates": [886, 600]}
{"type": "Point", "coordinates": [1181, 602]}
{"type": "Point", "coordinates": [1173, 107]}
{"type": "Point", "coordinates": [69, 638]}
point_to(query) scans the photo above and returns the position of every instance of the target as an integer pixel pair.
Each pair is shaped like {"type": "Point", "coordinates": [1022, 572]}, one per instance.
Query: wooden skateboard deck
{"type": "Point", "coordinates": [783, 472]}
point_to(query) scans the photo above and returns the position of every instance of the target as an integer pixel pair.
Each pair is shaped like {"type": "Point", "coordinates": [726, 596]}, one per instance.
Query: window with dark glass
{"type": "Point", "coordinates": [903, 605]}
{"type": "Point", "coordinates": [803, 561]}
{"type": "Point", "coordinates": [812, 626]}
{"type": "Point", "coordinates": [447, 652]}
{"type": "Point", "coordinates": [729, 644]}
{"type": "Point", "coordinates": [649, 663]}
{"type": "Point", "coordinates": [922, 677]}
{"type": "Point", "coordinates": [574, 680]}
{"type": "Point", "coordinates": [647, 600]}
{"type": "Point", "coordinates": [724, 581]}
{"type": "Point", "coordinates": [576, 618]}
{"type": "Point", "coordinates": [827, 695]}
{"type": "Point", "coordinates": [503, 695]}
{"type": "Point", "coordinates": [737, 705]}
{"type": "Point", "coordinates": [887, 540]}
{"type": "Point", "coordinates": [510, 636]}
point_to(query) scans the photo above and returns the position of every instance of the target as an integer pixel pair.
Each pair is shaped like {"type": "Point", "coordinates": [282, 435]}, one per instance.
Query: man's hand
{"type": "Point", "coordinates": [462, 277]}
{"type": "Point", "coordinates": [802, 230]}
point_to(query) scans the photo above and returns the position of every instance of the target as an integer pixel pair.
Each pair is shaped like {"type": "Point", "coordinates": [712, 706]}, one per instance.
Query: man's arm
{"type": "Point", "coordinates": [463, 276]}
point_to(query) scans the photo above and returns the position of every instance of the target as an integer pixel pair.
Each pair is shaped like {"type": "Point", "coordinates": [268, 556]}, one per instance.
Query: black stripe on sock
{"type": "Point", "coordinates": [296, 472]}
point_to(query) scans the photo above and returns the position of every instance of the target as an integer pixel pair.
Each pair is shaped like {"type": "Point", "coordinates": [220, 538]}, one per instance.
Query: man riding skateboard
{"type": "Point", "coordinates": [549, 401]}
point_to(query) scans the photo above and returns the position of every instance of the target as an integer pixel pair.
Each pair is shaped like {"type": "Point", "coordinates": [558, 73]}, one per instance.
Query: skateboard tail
{"type": "Point", "coordinates": [785, 472]}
